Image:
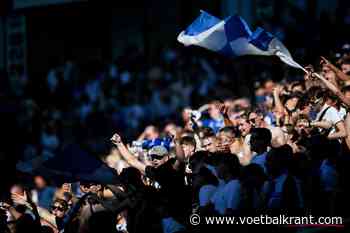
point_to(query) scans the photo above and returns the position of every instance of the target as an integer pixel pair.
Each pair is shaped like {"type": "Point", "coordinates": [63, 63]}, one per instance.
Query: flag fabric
{"type": "Point", "coordinates": [71, 165]}
{"type": "Point", "coordinates": [232, 37]}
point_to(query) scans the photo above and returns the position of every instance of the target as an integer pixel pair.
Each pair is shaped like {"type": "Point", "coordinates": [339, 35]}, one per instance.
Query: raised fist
{"type": "Point", "coordinates": [116, 139]}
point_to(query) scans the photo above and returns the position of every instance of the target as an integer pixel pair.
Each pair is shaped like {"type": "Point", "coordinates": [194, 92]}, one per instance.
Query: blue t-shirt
{"type": "Point", "coordinates": [328, 176]}
{"type": "Point", "coordinates": [232, 194]}
{"type": "Point", "coordinates": [215, 125]}
{"type": "Point", "coordinates": [215, 173]}
{"type": "Point", "coordinates": [260, 160]}
{"type": "Point", "coordinates": [274, 191]}
{"type": "Point", "coordinates": [170, 225]}
{"type": "Point", "coordinates": [218, 199]}
{"type": "Point", "coordinates": [45, 197]}
{"type": "Point", "coordinates": [227, 196]}
{"type": "Point", "coordinates": [205, 194]}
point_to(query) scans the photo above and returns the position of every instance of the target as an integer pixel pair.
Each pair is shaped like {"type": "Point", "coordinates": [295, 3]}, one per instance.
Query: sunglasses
{"type": "Point", "coordinates": [252, 120]}
{"type": "Point", "coordinates": [316, 101]}
{"type": "Point", "coordinates": [86, 185]}
{"type": "Point", "coordinates": [60, 208]}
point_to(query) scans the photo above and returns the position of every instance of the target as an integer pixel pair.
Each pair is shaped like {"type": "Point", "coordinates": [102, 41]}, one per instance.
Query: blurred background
{"type": "Point", "coordinates": [75, 71]}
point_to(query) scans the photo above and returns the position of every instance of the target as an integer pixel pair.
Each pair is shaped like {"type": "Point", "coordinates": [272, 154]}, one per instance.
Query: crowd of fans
{"type": "Point", "coordinates": [211, 149]}
{"type": "Point", "coordinates": [287, 154]}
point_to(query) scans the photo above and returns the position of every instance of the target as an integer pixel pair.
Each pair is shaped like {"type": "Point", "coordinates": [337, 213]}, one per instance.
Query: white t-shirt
{"type": "Point", "coordinates": [247, 139]}
{"type": "Point", "coordinates": [342, 113]}
{"type": "Point", "coordinates": [331, 115]}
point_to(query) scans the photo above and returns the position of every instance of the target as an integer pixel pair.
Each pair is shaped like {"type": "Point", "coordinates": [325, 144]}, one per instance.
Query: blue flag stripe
{"type": "Point", "coordinates": [201, 24]}
{"type": "Point", "coordinates": [232, 37]}
{"type": "Point", "coordinates": [261, 39]}
{"type": "Point", "coordinates": [235, 28]}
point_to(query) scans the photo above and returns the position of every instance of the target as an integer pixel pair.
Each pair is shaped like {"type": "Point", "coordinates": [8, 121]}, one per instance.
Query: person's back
{"type": "Point", "coordinates": [26, 224]}
{"type": "Point", "coordinates": [102, 221]}
{"type": "Point", "coordinates": [145, 214]}
{"type": "Point", "coordinates": [283, 192]}
{"type": "Point", "coordinates": [43, 194]}
{"type": "Point", "coordinates": [252, 179]}
{"type": "Point", "coordinates": [260, 140]}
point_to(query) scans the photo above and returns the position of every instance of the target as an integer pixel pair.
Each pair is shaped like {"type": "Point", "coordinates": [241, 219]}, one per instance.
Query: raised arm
{"type": "Point", "coordinates": [333, 89]}
{"type": "Point", "coordinates": [342, 76]}
{"type": "Point", "coordinates": [47, 216]}
{"type": "Point", "coordinates": [27, 201]}
{"type": "Point", "coordinates": [179, 152]}
{"type": "Point", "coordinates": [13, 212]}
{"type": "Point", "coordinates": [321, 124]}
{"type": "Point", "coordinates": [180, 155]}
{"type": "Point", "coordinates": [278, 102]}
{"type": "Point", "coordinates": [125, 153]}
{"type": "Point", "coordinates": [224, 111]}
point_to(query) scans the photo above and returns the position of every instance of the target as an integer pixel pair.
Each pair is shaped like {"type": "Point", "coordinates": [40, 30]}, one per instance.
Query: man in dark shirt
{"type": "Point", "coordinates": [169, 173]}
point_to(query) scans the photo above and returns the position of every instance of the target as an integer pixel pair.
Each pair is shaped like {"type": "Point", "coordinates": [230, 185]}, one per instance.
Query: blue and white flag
{"type": "Point", "coordinates": [232, 37]}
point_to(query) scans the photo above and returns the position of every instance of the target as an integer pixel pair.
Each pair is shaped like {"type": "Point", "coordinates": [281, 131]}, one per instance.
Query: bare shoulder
{"type": "Point", "coordinates": [278, 136]}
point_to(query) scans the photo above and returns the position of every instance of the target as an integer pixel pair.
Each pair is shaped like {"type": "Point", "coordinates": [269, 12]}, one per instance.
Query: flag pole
{"type": "Point", "coordinates": [290, 60]}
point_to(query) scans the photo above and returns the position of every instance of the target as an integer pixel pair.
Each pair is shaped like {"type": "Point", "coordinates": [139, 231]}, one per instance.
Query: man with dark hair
{"type": "Point", "coordinates": [226, 137]}
{"type": "Point", "coordinates": [345, 64]}
{"type": "Point", "coordinates": [244, 126]}
{"type": "Point", "coordinates": [304, 105]}
{"type": "Point", "coordinates": [277, 136]}
{"type": "Point", "coordinates": [43, 193]}
{"type": "Point", "coordinates": [298, 87]}
{"type": "Point", "coordinates": [260, 140]}
{"type": "Point", "coordinates": [226, 200]}
{"type": "Point", "coordinates": [59, 208]}
{"type": "Point", "coordinates": [229, 131]}
{"type": "Point", "coordinates": [346, 91]}
{"type": "Point", "coordinates": [204, 131]}
{"type": "Point", "coordinates": [188, 145]}
{"type": "Point", "coordinates": [169, 174]}
{"type": "Point", "coordinates": [209, 142]}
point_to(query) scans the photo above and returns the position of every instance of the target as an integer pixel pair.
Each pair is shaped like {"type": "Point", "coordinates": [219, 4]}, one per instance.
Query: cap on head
{"type": "Point", "coordinates": [158, 150]}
